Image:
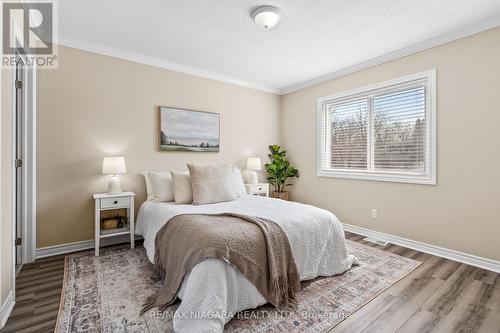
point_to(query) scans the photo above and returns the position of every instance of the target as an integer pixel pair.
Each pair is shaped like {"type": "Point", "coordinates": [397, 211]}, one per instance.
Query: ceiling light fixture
{"type": "Point", "coordinates": [266, 16]}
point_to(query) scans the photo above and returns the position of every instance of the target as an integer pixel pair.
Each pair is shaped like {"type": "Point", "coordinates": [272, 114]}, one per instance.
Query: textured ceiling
{"type": "Point", "coordinates": [313, 39]}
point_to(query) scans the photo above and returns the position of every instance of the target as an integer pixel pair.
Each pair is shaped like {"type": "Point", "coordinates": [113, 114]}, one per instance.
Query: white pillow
{"type": "Point", "coordinates": [215, 183]}
{"type": "Point", "coordinates": [149, 188]}
{"type": "Point", "coordinates": [161, 186]}
{"type": "Point", "coordinates": [239, 184]}
{"type": "Point", "coordinates": [183, 194]}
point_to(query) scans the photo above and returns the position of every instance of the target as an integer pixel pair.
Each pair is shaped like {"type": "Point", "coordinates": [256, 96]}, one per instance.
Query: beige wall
{"type": "Point", "coordinates": [460, 212]}
{"type": "Point", "coordinates": [6, 245]}
{"type": "Point", "coordinates": [94, 106]}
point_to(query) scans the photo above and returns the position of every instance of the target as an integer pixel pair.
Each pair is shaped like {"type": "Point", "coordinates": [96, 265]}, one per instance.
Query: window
{"type": "Point", "coordinates": [383, 132]}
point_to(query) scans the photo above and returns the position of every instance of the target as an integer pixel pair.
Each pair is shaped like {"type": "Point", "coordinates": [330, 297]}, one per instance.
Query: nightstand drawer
{"type": "Point", "coordinates": [115, 202]}
{"type": "Point", "coordinates": [259, 189]}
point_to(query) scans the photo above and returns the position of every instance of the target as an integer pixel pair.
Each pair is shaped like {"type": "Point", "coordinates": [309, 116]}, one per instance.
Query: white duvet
{"type": "Point", "coordinates": [214, 290]}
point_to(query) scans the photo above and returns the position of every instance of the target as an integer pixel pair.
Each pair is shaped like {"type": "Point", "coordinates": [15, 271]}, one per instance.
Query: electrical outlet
{"type": "Point", "coordinates": [374, 213]}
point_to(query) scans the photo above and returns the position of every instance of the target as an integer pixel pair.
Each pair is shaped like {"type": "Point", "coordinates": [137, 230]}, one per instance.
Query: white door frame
{"type": "Point", "coordinates": [29, 165]}
{"type": "Point", "coordinates": [29, 212]}
{"type": "Point", "coordinates": [29, 209]}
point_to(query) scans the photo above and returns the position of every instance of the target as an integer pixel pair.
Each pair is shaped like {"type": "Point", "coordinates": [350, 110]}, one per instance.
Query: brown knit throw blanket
{"type": "Point", "coordinates": [257, 247]}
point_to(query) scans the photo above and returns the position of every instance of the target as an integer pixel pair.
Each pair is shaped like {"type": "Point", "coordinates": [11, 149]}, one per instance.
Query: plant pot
{"type": "Point", "coordinates": [280, 195]}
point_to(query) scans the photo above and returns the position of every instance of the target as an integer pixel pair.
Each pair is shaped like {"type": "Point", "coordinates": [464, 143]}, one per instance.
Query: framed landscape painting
{"type": "Point", "coordinates": [189, 130]}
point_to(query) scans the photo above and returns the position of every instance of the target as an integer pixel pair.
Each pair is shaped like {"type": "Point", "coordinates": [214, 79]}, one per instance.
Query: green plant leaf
{"type": "Point", "coordinates": [279, 170]}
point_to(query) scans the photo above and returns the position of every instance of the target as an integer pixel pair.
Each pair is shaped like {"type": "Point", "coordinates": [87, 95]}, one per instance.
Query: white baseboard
{"type": "Point", "coordinates": [465, 258]}
{"type": "Point", "coordinates": [6, 309]}
{"type": "Point", "coordinates": [79, 246]}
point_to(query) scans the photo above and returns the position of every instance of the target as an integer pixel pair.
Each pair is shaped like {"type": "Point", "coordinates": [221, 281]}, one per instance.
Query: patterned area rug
{"type": "Point", "coordinates": [105, 294]}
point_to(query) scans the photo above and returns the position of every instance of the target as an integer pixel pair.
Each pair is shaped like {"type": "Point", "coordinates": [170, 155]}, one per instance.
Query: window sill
{"type": "Point", "coordinates": [379, 176]}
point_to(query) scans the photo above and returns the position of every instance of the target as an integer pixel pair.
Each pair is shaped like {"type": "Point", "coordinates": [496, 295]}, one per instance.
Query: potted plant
{"type": "Point", "coordinates": [278, 172]}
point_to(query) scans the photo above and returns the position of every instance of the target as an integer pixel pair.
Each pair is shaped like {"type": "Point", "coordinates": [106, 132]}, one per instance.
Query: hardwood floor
{"type": "Point", "coordinates": [38, 291]}
{"type": "Point", "coordinates": [439, 296]}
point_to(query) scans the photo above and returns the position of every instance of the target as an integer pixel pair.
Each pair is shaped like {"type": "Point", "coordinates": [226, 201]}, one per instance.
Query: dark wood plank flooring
{"type": "Point", "coordinates": [439, 296]}
{"type": "Point", "coordinates": [38, 291]}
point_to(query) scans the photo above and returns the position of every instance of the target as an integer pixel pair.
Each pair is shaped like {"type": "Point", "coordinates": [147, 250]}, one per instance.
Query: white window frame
{"type": "Point", "coordinates": [429, 177]}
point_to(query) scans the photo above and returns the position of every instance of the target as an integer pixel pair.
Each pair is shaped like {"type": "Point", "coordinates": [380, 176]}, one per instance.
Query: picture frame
{"type": "Point", "coordinates": [188, 130]}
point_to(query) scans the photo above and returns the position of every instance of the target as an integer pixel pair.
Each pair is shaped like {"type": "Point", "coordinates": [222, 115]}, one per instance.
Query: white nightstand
{"type": "Point", "coordinates": [258, 189]}
{"type": "Point", "coordinates": [104, 201]}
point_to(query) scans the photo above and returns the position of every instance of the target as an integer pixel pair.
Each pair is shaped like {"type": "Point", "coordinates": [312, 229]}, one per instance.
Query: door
{"type": "Point", "coordinates": [19, 145]}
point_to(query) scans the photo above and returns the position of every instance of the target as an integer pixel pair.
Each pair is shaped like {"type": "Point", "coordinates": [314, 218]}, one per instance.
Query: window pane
{"type": "Point", "coordinates": [349, 134]}
{"type": "Point", "coordinates": [400, 127]}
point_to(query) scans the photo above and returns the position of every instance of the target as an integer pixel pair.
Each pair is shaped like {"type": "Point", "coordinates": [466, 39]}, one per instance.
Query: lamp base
{"type": "Point", "coordinates": [114, 186]}
{"type": "Point", "coordinates": [250, 177]}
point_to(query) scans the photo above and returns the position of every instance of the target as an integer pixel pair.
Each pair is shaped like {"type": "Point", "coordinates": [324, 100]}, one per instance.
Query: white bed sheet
{"type": "Point", "coordinates": [214, 290]}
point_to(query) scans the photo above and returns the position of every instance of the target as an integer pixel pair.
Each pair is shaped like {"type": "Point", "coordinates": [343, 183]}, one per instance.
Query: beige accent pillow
{"type": "Point", "coordinates": [161, 186]}
{"type": "Point", "coordinates": [181, 183]}
{"type": "Point", "coordinates": [215, 183]}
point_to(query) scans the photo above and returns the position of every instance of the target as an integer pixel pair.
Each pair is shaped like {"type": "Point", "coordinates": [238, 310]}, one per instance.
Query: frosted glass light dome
{"type": "Point", "coordinates": [266, 17]}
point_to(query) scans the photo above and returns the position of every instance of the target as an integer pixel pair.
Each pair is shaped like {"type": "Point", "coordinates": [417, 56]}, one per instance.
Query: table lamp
{"type": "Point", "coordinates": [114, 166]}
{"type": "Point", "coordinates": [250, 176]}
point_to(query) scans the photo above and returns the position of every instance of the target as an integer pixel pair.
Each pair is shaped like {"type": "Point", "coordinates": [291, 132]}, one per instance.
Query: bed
{"type": "Point", "coordinates": [214, 291]}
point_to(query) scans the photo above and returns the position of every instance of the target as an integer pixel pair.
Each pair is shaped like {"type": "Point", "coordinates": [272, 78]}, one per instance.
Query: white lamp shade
{"type": "Point", "coordinates": [113, 165]}
{"type": "Point", "coordinates": [253, 163]}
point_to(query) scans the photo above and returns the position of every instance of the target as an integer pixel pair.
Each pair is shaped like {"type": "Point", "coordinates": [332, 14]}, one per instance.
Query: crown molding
{"type": "Point", "coordinates": [387, 57]}
{"type": "Point", "coordinates": [142, 59]}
